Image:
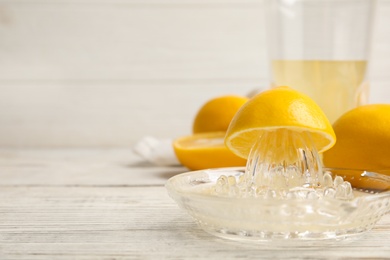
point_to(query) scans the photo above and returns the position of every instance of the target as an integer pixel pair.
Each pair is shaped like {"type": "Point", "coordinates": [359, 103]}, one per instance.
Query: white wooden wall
{"type": "Point", "coordinates": [108, 72]}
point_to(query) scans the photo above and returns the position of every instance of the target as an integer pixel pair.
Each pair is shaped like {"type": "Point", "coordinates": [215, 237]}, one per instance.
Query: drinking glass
{"type": "Point", "coordinates": [321, 48]}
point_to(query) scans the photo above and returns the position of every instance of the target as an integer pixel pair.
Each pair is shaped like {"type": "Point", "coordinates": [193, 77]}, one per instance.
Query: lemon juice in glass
{"type": "Point", "coordinates": [321, 48]}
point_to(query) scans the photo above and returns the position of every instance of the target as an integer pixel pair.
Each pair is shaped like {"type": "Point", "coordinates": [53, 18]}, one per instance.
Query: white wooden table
{"type": "Point", "coordinates": [109, 204]}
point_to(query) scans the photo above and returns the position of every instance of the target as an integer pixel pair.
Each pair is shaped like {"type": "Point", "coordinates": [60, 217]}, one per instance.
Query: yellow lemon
{"type": "Point", "coordinates": [276, 109]}
{"type": "Point", "coordinates": [205, 150]}
{"type": "Point", "coordinates": [363, 139]}
{"type": "Point", "coordinates": [216, 114]}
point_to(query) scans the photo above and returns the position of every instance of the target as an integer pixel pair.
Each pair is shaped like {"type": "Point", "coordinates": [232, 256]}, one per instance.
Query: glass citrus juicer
{"type": "Point", "coordinates": [283, 193]}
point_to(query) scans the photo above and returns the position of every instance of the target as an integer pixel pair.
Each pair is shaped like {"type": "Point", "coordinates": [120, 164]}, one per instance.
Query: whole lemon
{"type": "Point", "coordinates": [216, 114]}
{"type": "Point", "coordinates": [363, 139]}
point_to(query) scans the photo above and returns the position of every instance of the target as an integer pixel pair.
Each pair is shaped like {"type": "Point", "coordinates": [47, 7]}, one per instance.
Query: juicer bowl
{"type": "Point", "coordinates": [274, 219]}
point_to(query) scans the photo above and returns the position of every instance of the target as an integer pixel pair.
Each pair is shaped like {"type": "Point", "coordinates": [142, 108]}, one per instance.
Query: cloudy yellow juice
{"type": "Point", "coordinates": [337, 86]}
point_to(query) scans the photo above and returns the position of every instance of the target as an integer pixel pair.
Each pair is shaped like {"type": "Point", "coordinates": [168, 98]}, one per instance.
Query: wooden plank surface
{"type": "Point", "coordinates": [96, 73]}
{"type": "Point", "coordinates": [101, 113]}
{"type": "Point", "coordinates": [53, 211]}
{"type": "Point", "coordinates": [79, 167]}
{"type": "Point", "coordinates": [127, 39]}
{"type": "Point", "coordinates": [137, 223]}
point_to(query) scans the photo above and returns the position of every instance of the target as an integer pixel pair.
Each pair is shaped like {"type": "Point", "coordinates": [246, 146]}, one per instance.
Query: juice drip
{"type": "Point", "coordinates": [284, 164]}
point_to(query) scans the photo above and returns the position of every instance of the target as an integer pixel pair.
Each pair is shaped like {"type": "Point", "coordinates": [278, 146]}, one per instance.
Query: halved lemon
{"type": "Point", "coordinates": [275, 109]}
{"type": "Point", "coordinates": [205, 150]}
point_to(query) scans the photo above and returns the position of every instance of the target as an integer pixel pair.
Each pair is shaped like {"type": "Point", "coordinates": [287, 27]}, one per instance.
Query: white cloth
{"type": "Point", "coordinates": [156, 151]}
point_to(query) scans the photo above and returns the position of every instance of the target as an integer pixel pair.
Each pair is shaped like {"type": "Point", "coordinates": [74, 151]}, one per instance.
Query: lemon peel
{"type": "Point", "coordinates": [278, 108]}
